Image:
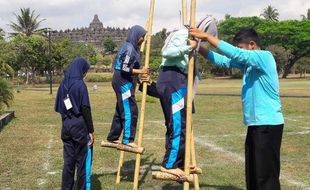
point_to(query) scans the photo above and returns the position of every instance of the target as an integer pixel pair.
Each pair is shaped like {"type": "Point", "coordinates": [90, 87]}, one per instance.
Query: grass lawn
{"type": "Point", "coordinates": [31, 148]}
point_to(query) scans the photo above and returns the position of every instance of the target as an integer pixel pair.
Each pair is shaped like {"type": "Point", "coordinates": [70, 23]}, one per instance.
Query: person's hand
{"type": "Point", "coordinates": [91, 140]}
{"type": "Point", "coordinates": [146, 78]}
{"type": "Point", "coordinates": [195, 32]}
{"type": "Point", "coordinates": [145, 70]}
{"type": "Point", "coordinates": [193, 44]}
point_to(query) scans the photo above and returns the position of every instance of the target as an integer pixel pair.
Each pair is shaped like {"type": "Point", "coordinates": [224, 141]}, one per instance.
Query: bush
{"type": "Point", "coordinates": [98, 77]}
{"type": "Point", "coordinates": [6, 94]}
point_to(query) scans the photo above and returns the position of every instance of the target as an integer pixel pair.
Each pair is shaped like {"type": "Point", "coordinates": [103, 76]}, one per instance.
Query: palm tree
{"type": "Point", "coordinates": [303, 17]}
{"type": "Point", "coordinates": [27, 23]}
{"type": "Point", "coordinates": [270, 13]}
{"type": "Point", "coordinates": [2, 34]}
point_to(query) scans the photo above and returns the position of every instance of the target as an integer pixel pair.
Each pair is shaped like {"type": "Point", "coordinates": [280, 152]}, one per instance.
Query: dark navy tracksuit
{"type": "Point", "coordinates": [76, 154]}
{"type": "Point", "coordinates": [123, 83]}
{"type": "Point", "coordinates": [76, 126]}
{"type": "Point", "coordinates": [126, 110]}
{"type": "Point", "coordinates": [172, 87]}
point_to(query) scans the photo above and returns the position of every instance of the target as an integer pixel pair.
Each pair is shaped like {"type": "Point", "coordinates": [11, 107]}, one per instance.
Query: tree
{"type": "Point", "coordinates": [2, 34]}
{"type": "Point", "coordinates": [27, 23]}
{"type": "Point", "coordinates": [6, 94]}
{"type": "Point", "coordinates": [281, 56]}
{"type": "Point", "coordinates": [158, 40]}
{"type": "Point", "coordinates": [227, 16]}
{"type": "Point", "coordinates": [31, 55]}
{"type": "Point", "coordinates": [109, 45]}
{"type": "Point", "coordinates": [64, 50]}
{"type": "Point", "coordinates": [303, 66]}
{"type": "Point", "coordinates": [292, 35]}
{"type": "Point", "coordinates": [306, 17]}
{"type": "Point", "coordinates": [270, 13]}
{"type": "Point", "coordinates": [5, 69]}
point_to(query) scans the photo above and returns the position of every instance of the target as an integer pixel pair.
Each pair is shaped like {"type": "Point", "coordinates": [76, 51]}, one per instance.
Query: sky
{"type": "Point", "coordinates": [69, 14]}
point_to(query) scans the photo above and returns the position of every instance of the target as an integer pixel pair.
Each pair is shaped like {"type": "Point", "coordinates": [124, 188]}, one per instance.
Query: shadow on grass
{"type": "Point", "coordinates": [127, 173]}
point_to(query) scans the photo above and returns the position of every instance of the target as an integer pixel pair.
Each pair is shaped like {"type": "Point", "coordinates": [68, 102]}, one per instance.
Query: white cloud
{"type": "Point", "coordinates": [64, 14]}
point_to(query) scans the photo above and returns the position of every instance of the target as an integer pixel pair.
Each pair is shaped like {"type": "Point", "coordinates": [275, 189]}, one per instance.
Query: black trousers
{"type": "Point", "coordinates": [126, 110]}
{"type": "Point", "coordinates": [171, 86]}
{"type": "Point", "coordinates": [262, 157]}
{"type": "Point", "coordinates": [76, 154]}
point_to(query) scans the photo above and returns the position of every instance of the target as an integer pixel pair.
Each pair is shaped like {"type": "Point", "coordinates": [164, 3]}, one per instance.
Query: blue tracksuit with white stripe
{"type": "Point", "coordinates": [172, 87]}
{"type": "Point", "coordinates": [126, 113]}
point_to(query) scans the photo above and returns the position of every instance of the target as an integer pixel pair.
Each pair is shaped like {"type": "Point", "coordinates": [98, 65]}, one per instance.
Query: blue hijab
{"type": "Point", "coordinates": [73, 86]}
{"type": "Point", "coordinates": [134, 34]}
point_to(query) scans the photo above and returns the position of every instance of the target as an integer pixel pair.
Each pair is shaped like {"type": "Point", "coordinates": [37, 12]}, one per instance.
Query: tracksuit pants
{"type": "Point", "coordinates": [172, 86]}
{"type": "Point", "coordinates": [76, 154]}
{"type": "Point", "coordinates": [126, 111]}
{"type": "Point", "coordinates": [262, 157]}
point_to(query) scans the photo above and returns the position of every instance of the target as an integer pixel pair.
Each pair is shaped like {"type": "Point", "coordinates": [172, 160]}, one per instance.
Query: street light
{"type": "Point", "coordinates": [47, 32]}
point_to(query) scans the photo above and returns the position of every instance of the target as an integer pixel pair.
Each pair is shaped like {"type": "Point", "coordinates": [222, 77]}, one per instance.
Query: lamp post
{"type": "Point", "coordinates": [48, 31]}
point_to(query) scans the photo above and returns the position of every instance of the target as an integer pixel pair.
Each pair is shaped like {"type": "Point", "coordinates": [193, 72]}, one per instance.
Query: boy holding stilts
{"type": "Point", "coordinates": [261, 104]}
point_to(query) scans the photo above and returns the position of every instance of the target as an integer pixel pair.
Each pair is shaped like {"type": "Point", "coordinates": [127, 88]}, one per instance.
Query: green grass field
{"type": "Point", "coordinates": [31, 148]}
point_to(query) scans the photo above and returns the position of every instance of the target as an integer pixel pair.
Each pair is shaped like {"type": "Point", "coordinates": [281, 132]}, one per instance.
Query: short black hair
{"type": "Point", "coordinates": [247, 35]}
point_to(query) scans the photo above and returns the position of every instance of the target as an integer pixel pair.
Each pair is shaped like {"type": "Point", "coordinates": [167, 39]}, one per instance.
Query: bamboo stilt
{"type": "Point", "coordinates": [184, 12]}
{"type": "Point", "coordinates": [170, 177]}
{"type": "Point", "coordinates": [123, 147]}
{"type": "Point", "coordinates": [119, 168]}
{"type": "Point", "coordinates": [189, 103]}
{"type": "Point", "coordinates": [121, 157]}
{"type": "Point", "coordinates": [141, 120]}
{"type": "Point", "coordinates": [194, 162]}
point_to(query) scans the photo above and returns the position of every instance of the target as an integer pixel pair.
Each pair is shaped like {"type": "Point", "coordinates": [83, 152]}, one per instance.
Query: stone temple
{"type": "Point", "coordinates": [94, 34]}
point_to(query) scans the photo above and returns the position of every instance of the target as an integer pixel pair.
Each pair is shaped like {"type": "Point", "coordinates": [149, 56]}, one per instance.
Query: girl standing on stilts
{"type": "Point", "coordinates": [126, 67]}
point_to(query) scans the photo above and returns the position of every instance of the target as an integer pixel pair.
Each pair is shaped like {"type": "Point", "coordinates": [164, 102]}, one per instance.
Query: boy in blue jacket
{"type": "Point", "coordinates": [126, 68]}
{"type": "Point", "coordinates": [261, 104]}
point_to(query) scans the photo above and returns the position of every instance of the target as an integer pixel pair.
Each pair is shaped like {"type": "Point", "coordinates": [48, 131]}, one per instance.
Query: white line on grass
{"type": "Point", "coordinates": [235, 156]}
{"type": "Point", "coordinates": [46, 164]}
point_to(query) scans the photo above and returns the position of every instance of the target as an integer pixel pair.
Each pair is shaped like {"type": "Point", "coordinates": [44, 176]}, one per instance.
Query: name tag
{"type": "Point", "coordinates": [67, 102]}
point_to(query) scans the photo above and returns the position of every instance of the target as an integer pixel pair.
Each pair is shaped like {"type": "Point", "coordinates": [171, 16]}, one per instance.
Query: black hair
{"type": "Point", "coordinates": [246, 36]}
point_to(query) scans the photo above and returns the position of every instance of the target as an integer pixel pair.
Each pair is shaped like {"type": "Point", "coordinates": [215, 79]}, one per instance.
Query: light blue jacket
{"type": "Point", "coordinates": [175, 51]}
{"type": "Point", "coordinates": [260, 86]}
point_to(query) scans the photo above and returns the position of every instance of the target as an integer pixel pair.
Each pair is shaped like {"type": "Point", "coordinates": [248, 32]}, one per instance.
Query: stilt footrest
{"type": "Point", "coordinates": [122, 147]}
{"type": "Point", "coordinates": [196, 170]}
{"type": "Point", "coordinates": [170, 177]}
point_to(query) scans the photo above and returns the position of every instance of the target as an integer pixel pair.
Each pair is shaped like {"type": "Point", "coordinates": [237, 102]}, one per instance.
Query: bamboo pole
{"type": "Point", "coordinates": [119, 168]}
{"type": "Point", "coordinates": [121, 157]}
{"type": "Point", "coordinates": [193, 161]}
{"type": "Point", "coordinates": [141, 120]}
{"type": "Point", "coordinates": [189, 102]}
{"type": "Point", "coordinates": [184, 12]}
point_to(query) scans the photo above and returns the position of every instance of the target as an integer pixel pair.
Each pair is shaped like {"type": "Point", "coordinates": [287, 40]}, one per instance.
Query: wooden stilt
{"type": "Point", "coordinates": [119, 168]}
{"type": "Point", "coordinates": [184, 12]}
{"type": "Point", "coordinates": [194, 162]}
{"type": "Point", "coordinates": [141, 120]}
{"type": "Point", "coordinates": [189, 103]}
{"type": "Point", "coordinates": [121, 156]}
{"type": "Point", "coordinates": [123, 147]}
{"type": "Point", "coordinates": [170, 177]}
